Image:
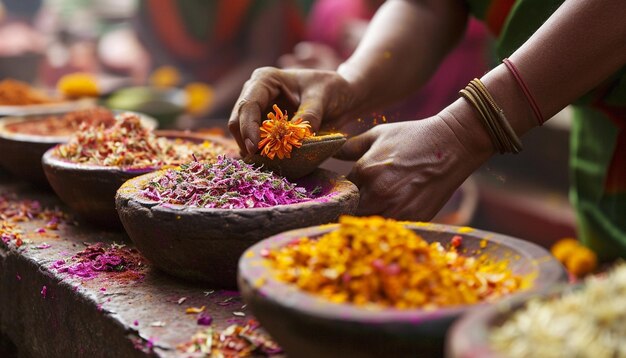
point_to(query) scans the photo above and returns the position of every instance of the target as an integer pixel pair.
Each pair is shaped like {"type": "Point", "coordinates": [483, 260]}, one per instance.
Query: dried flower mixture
{"type": "Point", "coordinates": [378, 261]}
{"type": "Point", "coordinates": [99, 258]}
{"type": "Point", "coordinates": [226, 184]}
{"type": "Point", "coordinates": [13, 211]}
{"type": "Point", "coordinates": [128, 144]}
{"type": "Point", "coordinates": [588, 322]}
{"type": "Point", "coordinates": [234, 341]}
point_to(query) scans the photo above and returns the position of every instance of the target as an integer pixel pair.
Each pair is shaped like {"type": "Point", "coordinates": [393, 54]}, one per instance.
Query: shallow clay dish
{"type": "Point", "coordinates": [306, 325]}
{"type": "Point", "coordinates": [205, 244]}
{"type": "Point", "coordinates": [22, 153]}
{"type": "Point", "coordinates": [305, 159]}
{"type": "Point", "coordinates": [469, 336]}
{"type": "Point", "coordinates": [47, 108]}
{"type": "Point", "coordinates": [90, 189]}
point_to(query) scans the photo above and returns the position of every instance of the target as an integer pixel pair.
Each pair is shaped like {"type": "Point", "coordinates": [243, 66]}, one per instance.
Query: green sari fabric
{"type": "Point", "coordinates": [598, 136]}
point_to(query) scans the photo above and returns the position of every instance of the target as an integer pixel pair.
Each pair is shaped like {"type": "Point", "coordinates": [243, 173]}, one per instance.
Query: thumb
{"type": "Point", "coordinates": [356, 147]}
{"type": "Point", "coordinates": [311, 109]}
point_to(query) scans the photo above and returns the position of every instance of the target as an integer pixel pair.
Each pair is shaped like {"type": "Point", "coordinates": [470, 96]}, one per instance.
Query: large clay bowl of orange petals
{"type": "Point", "coordinates": [307, 325]}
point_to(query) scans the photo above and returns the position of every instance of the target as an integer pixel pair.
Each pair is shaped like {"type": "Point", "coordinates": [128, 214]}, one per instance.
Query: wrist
{"type": "Point", "coordinates": [510, 97]}
{"type": "Point", "coordinates": [357, 84]}
{"type": "Point", "coordinates": [463, 120]}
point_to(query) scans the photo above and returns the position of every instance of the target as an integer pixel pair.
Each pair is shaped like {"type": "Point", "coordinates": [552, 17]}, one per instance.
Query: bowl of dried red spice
{"type": "Point", "coordinates": [86, 171]}
{"type": "Point", "coordinates": [194, 222]}
{"type": "Point", "coordinates": [25, 139]}
{"type": "Point", "coordinates": [373, 287]}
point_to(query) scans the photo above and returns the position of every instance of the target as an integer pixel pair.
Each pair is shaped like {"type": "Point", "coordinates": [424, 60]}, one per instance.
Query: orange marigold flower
{"type": "Point", "coordinates": [279, 135]}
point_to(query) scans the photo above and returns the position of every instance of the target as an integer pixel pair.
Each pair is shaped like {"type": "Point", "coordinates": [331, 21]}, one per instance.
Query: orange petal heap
{"type": "Point", "coordinates": [279, 135]}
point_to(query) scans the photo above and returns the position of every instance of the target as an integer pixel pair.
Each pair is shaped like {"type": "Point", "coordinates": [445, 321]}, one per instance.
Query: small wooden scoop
{"type": "Point", "coordinates": [304, 160]}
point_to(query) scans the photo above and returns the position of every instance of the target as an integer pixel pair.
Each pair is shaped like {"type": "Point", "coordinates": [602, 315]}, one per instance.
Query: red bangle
{"type": "Point", "coordinates": [522, 85]}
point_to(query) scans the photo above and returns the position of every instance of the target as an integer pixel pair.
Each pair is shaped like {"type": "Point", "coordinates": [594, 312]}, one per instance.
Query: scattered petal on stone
{"type": "Point", "coordinates": [157, 324]}
{"type": "Point", "coordinates": [181, 300]}
{"type": "Point", "coordinates": [44, 291]}
{"type": "Point", "coordinates": [192, 310]}
{"type": "Point", "coordinates": [239, 314]}
{"type": "Point", "coordinates": [205, 320]}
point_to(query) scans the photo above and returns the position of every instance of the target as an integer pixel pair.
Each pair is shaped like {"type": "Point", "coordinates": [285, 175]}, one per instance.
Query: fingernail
{"type": "Point", "coordinates": [250, 146]}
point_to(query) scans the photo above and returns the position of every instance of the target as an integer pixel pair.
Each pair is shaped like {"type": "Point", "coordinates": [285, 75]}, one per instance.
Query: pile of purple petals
{"type": "Point", "coordinates": [226, 184]}
{"type": "Point", "coordinates": [94, 259]}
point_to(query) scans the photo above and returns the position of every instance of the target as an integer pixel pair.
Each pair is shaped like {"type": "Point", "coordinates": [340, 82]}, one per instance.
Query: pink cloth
{"type": "Point", "coordinates": [328, 18]}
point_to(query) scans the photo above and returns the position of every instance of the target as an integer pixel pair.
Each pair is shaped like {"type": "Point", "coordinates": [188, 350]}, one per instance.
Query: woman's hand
{"type": "Point", "coordinates": [408, 170]}
{"type": "Point", "coordinates": [318, 96]}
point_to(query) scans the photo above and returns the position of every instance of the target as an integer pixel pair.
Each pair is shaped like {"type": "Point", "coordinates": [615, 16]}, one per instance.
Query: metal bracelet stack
{"type": "Point", "coordinates": [502, 135]}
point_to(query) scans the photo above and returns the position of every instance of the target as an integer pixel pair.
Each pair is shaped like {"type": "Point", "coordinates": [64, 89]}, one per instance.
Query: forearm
{"type": "Point", "coordinates": [580, 46]}
{"type": "Point", "coordinates": [402, 48]}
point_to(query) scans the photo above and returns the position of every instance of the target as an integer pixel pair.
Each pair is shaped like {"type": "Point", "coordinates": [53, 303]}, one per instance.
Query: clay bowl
{"type": "Point", "coordinates": [90, 189]}
{"type": "Point", "coordinates": [201, 244]}
{"type": "Point", "coordinates": [306, 325]}
{"type": "Point", "coordinates": [305, 159]}
{"type": "Point", "coordinates": [469, 336]}
{"type": "Point", "coordinates": [48, 108]}
{"type": "Point", "coordinates": [22, 153]}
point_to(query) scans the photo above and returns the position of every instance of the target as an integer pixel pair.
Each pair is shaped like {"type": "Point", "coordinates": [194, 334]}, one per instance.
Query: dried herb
{"type": "Point", "coordinates": [279, 135]}
{"type": "Point", "coordinates": [234, 341]}
{"type": "Point", "coordinates": [227, 184]}
{"type": "Point", "coordinates": [128, 144]}
{"type": "Point", "coordinates": [378, 261]}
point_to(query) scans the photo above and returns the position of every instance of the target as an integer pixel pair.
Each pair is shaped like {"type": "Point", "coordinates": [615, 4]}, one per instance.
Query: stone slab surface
{"type": "Point", "coordinates": [107, 316]}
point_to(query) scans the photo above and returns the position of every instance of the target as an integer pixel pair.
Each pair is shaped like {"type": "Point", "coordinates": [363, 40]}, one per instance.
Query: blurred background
{"type": "Point", "coordinates": [184, 62]}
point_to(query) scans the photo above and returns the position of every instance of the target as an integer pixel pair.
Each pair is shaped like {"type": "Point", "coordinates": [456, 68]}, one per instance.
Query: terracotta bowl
{"type": "Point", "coordinates": [306, 325]}
{"type": "Point", "coordinates": [469, 336]}
{"type": "Point", "coordinates": [90, 189]}
{"type": "Point", "coordinates": [204, 244]}
{"type": "Point", "coordinates": [22, 153]}
{"type": "Point", "coordinates": [47, 108]}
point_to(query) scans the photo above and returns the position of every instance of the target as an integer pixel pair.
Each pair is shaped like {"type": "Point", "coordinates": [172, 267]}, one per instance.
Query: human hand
{"type": "Point", "coordinates": [409, 170]}
{"type": "Point", "coordinates": [315, 95]}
